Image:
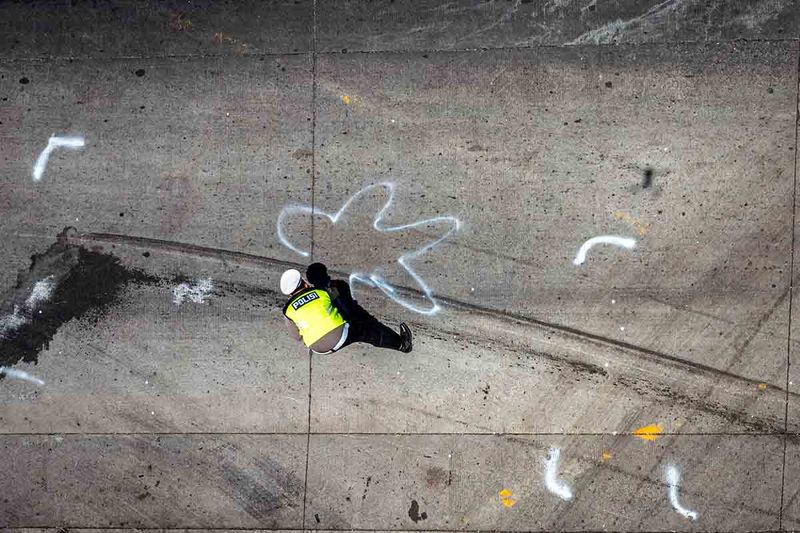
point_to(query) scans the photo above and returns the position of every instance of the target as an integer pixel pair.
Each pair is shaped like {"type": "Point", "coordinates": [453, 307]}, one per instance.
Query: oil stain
{"type": "Point", "coordinates": [414, 514]}
{"type": "Point", "coordinates": [86, 281]}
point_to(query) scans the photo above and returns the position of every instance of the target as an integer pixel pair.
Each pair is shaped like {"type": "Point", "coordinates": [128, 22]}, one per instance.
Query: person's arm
{"type": "Point", "coordinates": [341, 300]}
{"type": "Point", "coordinates": [293, 331]}
{"type": "Point", "coordinates": [355, 310]}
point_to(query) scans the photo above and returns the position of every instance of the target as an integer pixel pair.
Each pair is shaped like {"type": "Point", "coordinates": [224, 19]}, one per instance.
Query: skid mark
{"type": "Point", "coordinates": [374, 279]}
{"type": "Point", "coordinates": [673, 477]}
{"type": "Point", "coordinates": [624, 242]}
{"type": "Point", "coordinates": [729, 378]}
{"type": "Point", "coordinates": [69, 143]}
{"type": "Point", "coordinates": [20, 374]}
{"type": "Point", "coordinates": [612, 31]}
{"type": "Point", "coordinates": [551, 481]}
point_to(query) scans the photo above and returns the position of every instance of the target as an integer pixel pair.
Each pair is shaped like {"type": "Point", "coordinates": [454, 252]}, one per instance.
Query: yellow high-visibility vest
{"type": "Point", "coordinates": [313, 314]}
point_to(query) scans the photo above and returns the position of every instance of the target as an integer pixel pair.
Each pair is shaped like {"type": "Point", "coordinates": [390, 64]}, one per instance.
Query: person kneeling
{"type": "Point", "coordinates": [312, 317]}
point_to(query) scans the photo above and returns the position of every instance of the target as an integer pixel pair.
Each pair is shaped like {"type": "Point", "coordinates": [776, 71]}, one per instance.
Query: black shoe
{"type": "Point", "coordinates": [405, 335]}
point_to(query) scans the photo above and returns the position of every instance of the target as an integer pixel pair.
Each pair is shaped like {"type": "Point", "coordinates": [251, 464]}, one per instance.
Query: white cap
{"type": "Point", "coordinates": [290, 280]}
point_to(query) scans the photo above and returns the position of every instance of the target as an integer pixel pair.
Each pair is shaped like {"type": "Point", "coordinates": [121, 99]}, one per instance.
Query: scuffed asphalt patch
{"type": "Point", "coordinates": [86, 282]}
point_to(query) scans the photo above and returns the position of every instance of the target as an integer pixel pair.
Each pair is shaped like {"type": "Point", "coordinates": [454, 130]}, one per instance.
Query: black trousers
{"type": "Point", "coordinates": [370, 330]}
{"type": "Point", "coordinates": [363, 326]}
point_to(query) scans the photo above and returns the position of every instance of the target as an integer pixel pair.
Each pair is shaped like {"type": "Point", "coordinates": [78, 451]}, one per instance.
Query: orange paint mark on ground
{"type": "Point", "coordinates": [640, 227]}
{"type": "Point", "coordinates": [346, 99]}
{"type": "Point", "coordinates": [606, 456]}
{"type": "Point", "coordinates": [505, 497]}
{"type": "Point", "coordinates": [649, 433]}
{"type": "Point", "coordinates": [762, 386]}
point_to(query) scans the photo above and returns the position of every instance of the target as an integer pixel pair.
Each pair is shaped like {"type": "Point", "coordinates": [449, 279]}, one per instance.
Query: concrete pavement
{"type": "Point", "coordinates": [482, 143]}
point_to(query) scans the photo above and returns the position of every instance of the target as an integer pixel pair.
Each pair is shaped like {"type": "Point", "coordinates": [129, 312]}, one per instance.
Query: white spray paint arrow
{"type": "Point", "coordinates": [673, 478]}
{"type": "Point", "coordinates": [551, 481]}
{"type": "Point", "coordinates": [624, 242]}
{"type": "Point", "coordinates": [70, 143]}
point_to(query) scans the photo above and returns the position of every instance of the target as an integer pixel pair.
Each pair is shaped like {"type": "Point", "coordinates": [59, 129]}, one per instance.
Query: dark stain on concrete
{"type": "Point", "coordinates": [475, 147]}
{"type": "Point", "coordinates": [366, 488]}
{"type": "Point", "coordinates": [302, 153]}
{"type": "Point", "coordinates": [436, 476]}
{"type": "Point", "coordinates": [255, 495]}
{"type": "Point", "coordinates": [85, 281]}
{"type": "Point", "coordinates": [647, 177]}
{"type": "Point", "coordinates": [414, 514]}
{"type": "Point", "coordinates": [485, 391]}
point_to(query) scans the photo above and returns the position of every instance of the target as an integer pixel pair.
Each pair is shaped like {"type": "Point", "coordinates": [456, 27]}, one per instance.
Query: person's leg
{"type": "Point", "coordinates": [373, 332]}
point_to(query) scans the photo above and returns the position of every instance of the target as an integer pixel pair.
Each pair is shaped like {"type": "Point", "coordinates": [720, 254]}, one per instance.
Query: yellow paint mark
{"type": "Point", "coordinates": [649, 433]}
{"type": "Point", "coordinates": [762, 386]}
{"type": "Point", "coordinates": [346, 99]}
{"type": "Point", "coordinates": [640, 227]}
{"type": "Point", "coordinates": [606, 456]}
{"type": "Point", "coordinates": [505, 497]}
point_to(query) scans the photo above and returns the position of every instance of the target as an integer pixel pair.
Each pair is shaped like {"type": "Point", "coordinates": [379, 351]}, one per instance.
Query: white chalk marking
{"type": "Point", "coordinates": [19, 374]}
{"type": "Point", "coordinates": [551, 481]}
{"type": "Point", "coordinates": [70, 143]}
{"type": "Point", "coordinates": [373, 279]}
{"type": "Point", "coordinates": [42, 290]}
{"type": "Point", "coordinates": [197, 292]}
{"type": "Point", "coordinates": [673, 477]}
{"type": "Point", "coordinates": [624, 242]}
{"type": "Point", "coordinates": [11, 323]}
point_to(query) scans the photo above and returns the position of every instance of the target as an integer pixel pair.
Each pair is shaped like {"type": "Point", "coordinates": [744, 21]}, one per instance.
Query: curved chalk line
{"type": "Point", "coordinates": [551, 481]}
{"type": "Point", "coordinates": [673, 477]}
{"type": "Point", "coordinates": [374, 279]}
{"type": "Point", "coordinates": [70, 143]}
{"type": "Point", "coordinates": [624, 242]}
